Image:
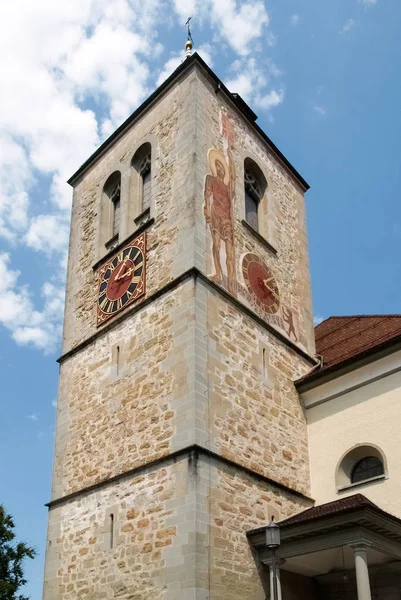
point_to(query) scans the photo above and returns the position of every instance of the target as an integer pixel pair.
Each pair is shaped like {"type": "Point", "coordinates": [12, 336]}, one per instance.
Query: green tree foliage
{"type": "Point", "coordinates": [12, 555]}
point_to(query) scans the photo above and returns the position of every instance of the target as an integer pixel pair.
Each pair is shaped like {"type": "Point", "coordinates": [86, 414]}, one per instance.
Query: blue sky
{"type": "Point", "coordinates": [323, 78]}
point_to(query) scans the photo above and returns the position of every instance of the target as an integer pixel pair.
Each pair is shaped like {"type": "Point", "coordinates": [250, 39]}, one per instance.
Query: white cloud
{"type": "Point", "coordinates": [317, 320]}
{"type": "Point", "coordinates": [29, 326]}
{"type": "Point", "coordinates": [48, 233]}
{"type": "Point", "coordinates": [54, 403]}
{"type": "Point", "coordinates": [320, 110]}
{"type": "Point", "coordinates": [270, 100]}
{"type": "Point", "coordinates": [59, 62]}
{"type": "Point", "coordinates": [239, 24]}
{"type": "Point", "coordinates": [294, 20]}
{"type": "Point", "coordinates": [53, 58]}
{"type": "Point", "coordinates": [368, 2]}
{"type": "Point", "coordinates": [348, 25]}
{"type": "Point", "coordinates": [252, 80]}
{"type": "Point", "coordinates": [33, 417]}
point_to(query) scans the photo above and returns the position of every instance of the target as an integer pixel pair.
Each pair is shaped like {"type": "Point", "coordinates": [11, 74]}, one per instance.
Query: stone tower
{"type": "Point", "coordinates": [187, 319]}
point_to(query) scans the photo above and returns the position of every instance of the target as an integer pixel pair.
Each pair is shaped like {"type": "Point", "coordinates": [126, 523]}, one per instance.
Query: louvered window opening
{"type": "Point", "coordinates": [252, 199]}
{"type": "Point", "coordinates": [115, 198]}
{"type": "Point", "coordinates": [145, 172]}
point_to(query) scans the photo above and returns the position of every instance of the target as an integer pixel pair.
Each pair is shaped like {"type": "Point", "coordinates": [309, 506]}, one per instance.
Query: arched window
{"type": "Point", "coordinates": [367, 468]}
{"type": "Point", "coordinates": [115, 199]}
{"type": "Point", "coordinates": [255, 186]}
{"type": "Point", "coordinates": [110, 217]}
{"type": "Point", "coordinates": [142, 164]}
{"type": "Point", "coordinates": [360, 465]}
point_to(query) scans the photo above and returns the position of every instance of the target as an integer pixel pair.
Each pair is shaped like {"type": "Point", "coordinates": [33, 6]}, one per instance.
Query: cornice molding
{"type": "Point", "coordinates": [194, 274]}
{"type": "Point", "coordinates": [192, 451]}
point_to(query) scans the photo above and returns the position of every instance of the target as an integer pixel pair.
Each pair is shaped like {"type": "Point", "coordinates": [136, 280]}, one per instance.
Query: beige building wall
{"type": "Point", "coordinates": [365, 409]}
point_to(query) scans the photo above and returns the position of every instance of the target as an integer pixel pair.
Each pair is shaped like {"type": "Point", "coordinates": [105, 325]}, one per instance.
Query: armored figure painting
{"type": "Point", "coordinates": [218, 209]}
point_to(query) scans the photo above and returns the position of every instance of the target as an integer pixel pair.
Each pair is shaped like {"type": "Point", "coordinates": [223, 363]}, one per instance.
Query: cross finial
{"type": "Point", "coordinates": [189, 43]}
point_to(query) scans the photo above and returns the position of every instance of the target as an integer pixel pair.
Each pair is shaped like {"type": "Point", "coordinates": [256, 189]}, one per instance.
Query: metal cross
{"type": "Point", "coordinates": [188, 26]}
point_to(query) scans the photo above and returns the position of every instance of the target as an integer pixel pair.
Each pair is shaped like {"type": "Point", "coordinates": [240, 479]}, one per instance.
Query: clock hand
{"type": "Point", "coordinates": [120, 276]}
{"type": "Point", "coordinates": [265, 282]}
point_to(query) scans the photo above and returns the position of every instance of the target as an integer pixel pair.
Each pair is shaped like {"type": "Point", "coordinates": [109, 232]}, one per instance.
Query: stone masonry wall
{"type": "Point", "coordinates": [179, 534]}
{"type": "Point", "coordinates": [112, 418]}
{"type": "Point", "coordinates": [247, 407]}
{"type": "Point", "coordinates": [153, 544]}
{"type": "Point", "coordinates": [188, 368]}
{"type": "Point", "coordinates": [239, 503]}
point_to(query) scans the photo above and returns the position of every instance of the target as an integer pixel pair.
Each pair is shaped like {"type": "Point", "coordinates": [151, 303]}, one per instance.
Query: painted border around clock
{"type": "Point", "coordinates": [140, 243]}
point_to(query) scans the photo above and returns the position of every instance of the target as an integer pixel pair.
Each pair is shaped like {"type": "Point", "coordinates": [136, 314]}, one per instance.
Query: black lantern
{"type": "Point", "coordinates": [273, 535]}
{"type": "Point", "coordinates": [273, 542]}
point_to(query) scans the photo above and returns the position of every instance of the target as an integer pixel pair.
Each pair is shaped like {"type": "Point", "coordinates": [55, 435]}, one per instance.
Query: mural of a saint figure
{"type": "Point", "coordinates": [218, 212]}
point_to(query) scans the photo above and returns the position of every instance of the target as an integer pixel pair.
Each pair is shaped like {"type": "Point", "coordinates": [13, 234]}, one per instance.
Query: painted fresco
{"type": "Point", "coordinates": [219, 195]}
{"type": "Point", "coordinates": [259, 289]}
{"type": "Point", "coordinates": [257, 286]}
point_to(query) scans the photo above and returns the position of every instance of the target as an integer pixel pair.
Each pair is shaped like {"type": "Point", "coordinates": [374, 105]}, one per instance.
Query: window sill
{"type": "Point", "coordinates": [351, 486]}
{"type": "Point", "coordinates": [143, 217]}
{"type": "Point", "coordinates": [112, 243]}
{"type": "Point", "coordinates": [143, 227]}
{"type": "Point", "coordinates": [259, 237]}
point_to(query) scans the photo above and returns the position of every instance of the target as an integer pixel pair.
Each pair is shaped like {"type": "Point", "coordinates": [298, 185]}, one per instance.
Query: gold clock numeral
{"type": "Point", "coordinates": [104, 305]}
{"type": "Point", "coordinates": [136, 279]}
{"type": "Point", "coordinates": [135, 257]}
{"type": "Point", "coordinates": [138, 265]}
{"type": "Point", "coordinates": [119, 303]}
{"type": "Point", "coordinates": [103, 302]}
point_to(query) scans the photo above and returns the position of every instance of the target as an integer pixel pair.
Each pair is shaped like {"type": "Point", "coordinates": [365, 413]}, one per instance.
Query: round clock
{"type": "Point", "coordinates": [121, 281]}
{"type": "Point", "coordinates": [261, 283]}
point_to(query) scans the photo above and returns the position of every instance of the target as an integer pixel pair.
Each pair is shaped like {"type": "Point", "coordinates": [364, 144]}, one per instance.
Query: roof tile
{"type": "Point", "coordinates": [330, 509]}
{"type": "Point", "coordinates": [341, 339]}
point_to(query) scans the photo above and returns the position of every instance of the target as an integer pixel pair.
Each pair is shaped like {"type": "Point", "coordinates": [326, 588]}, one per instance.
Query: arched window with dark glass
{"type": "Point", "coordinates": [255, 186]}
{"type": "Point", "coordinates": [142, 163]}
{"type": "Point", "coordinates": [367, 468]}
{"type": "Point", "coordinates": [111, 210]}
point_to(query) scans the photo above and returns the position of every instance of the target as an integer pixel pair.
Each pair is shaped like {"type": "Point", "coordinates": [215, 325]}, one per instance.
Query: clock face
{"type": "Point", "coordinates": [261, 283]}
{"type": "Point", "coordinates": [121, 280]}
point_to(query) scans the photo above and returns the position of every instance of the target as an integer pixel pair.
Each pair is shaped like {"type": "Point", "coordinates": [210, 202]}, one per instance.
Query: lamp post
{"type": "Point", "coordinates": [273, 542]}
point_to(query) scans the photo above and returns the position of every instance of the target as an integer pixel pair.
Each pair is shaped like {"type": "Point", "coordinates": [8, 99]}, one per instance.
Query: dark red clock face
{"type": "Point", "coordinates": [261, 283]}
{"type": "Point", "coordinates": [121, 280]}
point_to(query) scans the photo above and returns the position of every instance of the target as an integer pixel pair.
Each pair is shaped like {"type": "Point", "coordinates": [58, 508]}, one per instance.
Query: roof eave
{"type": "Point", "coordinates": [235, 99]}
{"type": "Point", "coordinates": [318, 377]}
{"type": "Point", "coordinates": [352, 516]}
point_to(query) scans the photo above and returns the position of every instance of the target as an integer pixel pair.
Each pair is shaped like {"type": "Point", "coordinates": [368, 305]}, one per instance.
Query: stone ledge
{"type": "Point", "coordinates": [259, 237]}
{"type": "Point", "coordinates": [192, 273]}
{"type": "Point", "coordinates": [191, 452]}
{"type": "Point", "coordinates": [121, 245]}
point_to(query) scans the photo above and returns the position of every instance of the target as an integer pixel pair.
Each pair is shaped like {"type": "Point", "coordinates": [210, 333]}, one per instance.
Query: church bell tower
{"type": "Point", "coordinates": [187, 319]}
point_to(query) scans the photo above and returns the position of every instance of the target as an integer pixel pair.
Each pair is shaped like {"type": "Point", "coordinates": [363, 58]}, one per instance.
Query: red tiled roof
{"type": "Point", "coordinates": [342, 339]}
{"type": "Point", "coordinates": [330, 509]}
{"type": "Point", "coordinates": [350, 506]}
